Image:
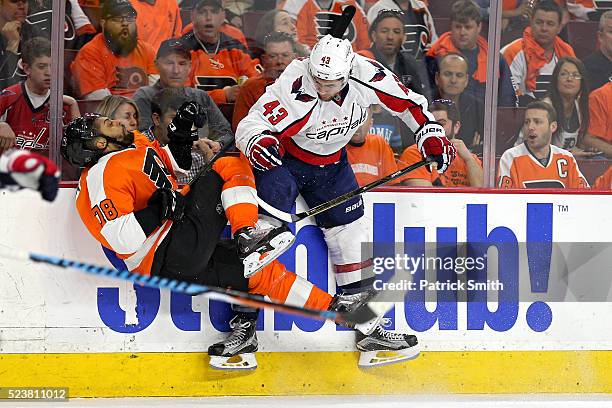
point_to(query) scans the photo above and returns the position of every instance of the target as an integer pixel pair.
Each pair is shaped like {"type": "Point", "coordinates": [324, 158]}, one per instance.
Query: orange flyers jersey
{"type": "Point", "coordinates": [96, 67]}
{"type": "Point", "coordinates": [604, 182]}
{"type": "Point", "coordinates": [410, 156]}
{"type": "Point", "coordinates": [371, 161]}
{"type": "Point", "coordinates": [600, 103]}
{"type": "Point", "coordinates": [157, 22]}
{"type": "Point", "coordinates": [518, 168]}
{"type": "Point", "coordinates": [119, 184]}
{"type": "Point", "coordinates": [456, 175]}
{"type": "Point", "coordinates": [313, 22]}
{"type": "Point", "coordinates": [230, 65]}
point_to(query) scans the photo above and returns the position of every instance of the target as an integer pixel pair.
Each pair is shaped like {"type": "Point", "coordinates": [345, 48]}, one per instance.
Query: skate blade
{"type": "Point", "coordinates": [245, 361]}
{"type": "Point", "coordinates": [369, 359]}
{"type": "Point", "coordinates": [256, 261]}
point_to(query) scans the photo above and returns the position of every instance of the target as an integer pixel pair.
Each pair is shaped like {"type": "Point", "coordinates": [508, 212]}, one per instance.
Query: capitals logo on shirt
{"type": "Point", "coordinates": [380, 72]}
{"type": "Point", "coordinates": [296, 88]}
{"type": "Point", "coordinates": [325, 20]}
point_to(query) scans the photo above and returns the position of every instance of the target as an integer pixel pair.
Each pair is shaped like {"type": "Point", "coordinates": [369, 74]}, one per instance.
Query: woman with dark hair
{"type": "Point", "coordinates": [568, 94]}
{"type": "Point", "coordinates": [277, 20]}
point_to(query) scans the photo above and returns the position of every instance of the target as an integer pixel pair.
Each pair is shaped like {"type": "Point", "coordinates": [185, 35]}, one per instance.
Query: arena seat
{"type": "Point", "coordinates": [509, 122]}
{"type": "Point", "coordinates": [186, 16]}
{"type": "Point", "coordinates": [592, 168]}
{"type": "Point", "coordinates": [227, 109]}
{"type": "Point", "coordinates": [440, 8]}
{"type": "Point", "coordinates": [94, 14]}
{"type": "Point", "coordinates": [582, 35]}
{"type": "Point", "coordinates": [250, 19]}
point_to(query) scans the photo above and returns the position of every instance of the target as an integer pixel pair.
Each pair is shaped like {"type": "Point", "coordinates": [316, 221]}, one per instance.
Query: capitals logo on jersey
{"type": "Point", "coordinates": [325, 20]}
{"type": "Point", "coordinates": [297, 89]}
{"type": "Point", "coordinates": [380, 72]}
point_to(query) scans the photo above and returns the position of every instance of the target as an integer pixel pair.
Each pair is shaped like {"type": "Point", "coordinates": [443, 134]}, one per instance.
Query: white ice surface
{"type": "Point", "coordinates": [452, 401]}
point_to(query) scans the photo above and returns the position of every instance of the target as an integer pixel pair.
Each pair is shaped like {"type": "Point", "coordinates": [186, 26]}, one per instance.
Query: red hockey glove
{"type": "Point", "coordinates": [26, 169]}
{"type": "Point", "coordinates": [433, 144]}
{"type": "Point", "coordinates": [264, 152]}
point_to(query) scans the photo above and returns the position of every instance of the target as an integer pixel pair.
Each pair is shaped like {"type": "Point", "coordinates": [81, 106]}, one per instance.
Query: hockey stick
{"type": "Point", "coordinates": [287, 217]}
{"type": "Point", "coordinates": [342, 23]}
{"type": "Point", "coordinates": [193, 289]}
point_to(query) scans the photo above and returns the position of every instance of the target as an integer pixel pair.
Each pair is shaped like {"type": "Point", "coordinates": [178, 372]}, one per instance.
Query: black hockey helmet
{"type": "Point", "coordinates": [74, 142]}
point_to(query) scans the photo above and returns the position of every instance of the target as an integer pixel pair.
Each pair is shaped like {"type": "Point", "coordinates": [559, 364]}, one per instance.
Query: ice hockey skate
{"type": "Point", "coordinates": [376, 345]}
{"type": "Point", "coordinates": [260, 245]}
{"type": "Point", "coordinates": [237, 351]}
{"type": "Point", "coordinates": [381, 347]}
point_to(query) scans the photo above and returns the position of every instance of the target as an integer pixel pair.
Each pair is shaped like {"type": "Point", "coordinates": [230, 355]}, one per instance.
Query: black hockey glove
{"type": "Point", "coordinates": [183, 131]}
{"type": "Point", "coordinates": [164, 204]}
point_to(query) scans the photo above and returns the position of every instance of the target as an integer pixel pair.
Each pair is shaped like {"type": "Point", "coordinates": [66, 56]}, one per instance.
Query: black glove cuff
{"type": "Point", "coordinates": [181, 153]}
{"type": "Point", "coordinates": [148, 218]}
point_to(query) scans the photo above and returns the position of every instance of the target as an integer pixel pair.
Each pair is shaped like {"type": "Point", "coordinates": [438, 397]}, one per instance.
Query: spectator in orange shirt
{"type": "Point", "coordinates": [604, 182]}
{"type": "Point", "coordinates": [277, 20]}
{"type": "Point", "coordinates": [220, 63]}
{"type": "Point", "coordinates": [599, 135]}
{"type": "Point", "coordinates": [279, 52]}
{"type": "Point", "coordinates": [533, 57]}
{"type": "Point", "coordinates": [12, 18]}
{"type": "Point", "coordinates": [157, 20]}
{"type": "Point", "coordinates": [370, 156]}
{"type": "Point", "coordinates": [313, 20]}
{"type": "Point", "coordinates": [464, 171]}
{"type": "Point", "coordinates": [116, 61]}
{"type": "Point", "coordinates": [537, 163]}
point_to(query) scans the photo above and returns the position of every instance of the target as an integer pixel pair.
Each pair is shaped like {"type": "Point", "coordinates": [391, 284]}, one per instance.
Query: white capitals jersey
{"type": "Point", "coordinates": [315, 131]}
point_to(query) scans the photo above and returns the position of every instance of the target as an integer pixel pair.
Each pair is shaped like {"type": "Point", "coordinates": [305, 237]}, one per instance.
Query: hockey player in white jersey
{"type": "Point", "coordinates": [294, 136]}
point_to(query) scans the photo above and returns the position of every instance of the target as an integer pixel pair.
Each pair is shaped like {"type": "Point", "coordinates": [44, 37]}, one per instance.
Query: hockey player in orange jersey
{"type": "Point", "coordinates": [129, 201]}
{"type": "Point", "coordinates": [536, 163]}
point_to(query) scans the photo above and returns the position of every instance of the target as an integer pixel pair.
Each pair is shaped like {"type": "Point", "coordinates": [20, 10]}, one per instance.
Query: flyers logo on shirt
{"type": "Point", "coordinates": [130, 78]}
{"type": "Point", "coordinates": [324, 20]}
{"type": "Point", "coordinates": [416, 39]}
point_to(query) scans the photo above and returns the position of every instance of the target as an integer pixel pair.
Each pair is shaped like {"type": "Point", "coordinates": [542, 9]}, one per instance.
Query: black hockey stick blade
{"type": "Point", "coordinates": [193, 289]}
{"type": "Point", "coordinates": [341, 24]}
{"type": "Point", "coordinates": [287, 217]}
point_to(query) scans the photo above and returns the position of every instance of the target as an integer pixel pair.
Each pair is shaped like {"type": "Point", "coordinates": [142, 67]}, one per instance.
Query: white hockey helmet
{"type": "Point", "coordinates": [331, 59]}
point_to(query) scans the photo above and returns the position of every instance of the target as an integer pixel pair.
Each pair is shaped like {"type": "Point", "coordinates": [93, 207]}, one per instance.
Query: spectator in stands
{"type": "Point", "coordinates": [599, 64]}
{"type": "Point", "coordinates": [465, 170]}
{"type": "Point", "coordinates": [604, 182]}
{"type": "Point", "coordinates": [78, 30]}
{"type": "Point", "coordinates": [599, 135]}
{"type": "Point", "coordinates": [120, 108]}
{"type": "Point", "coordinates": [451, 81]}
{"type": "Point", "coordinates": [116, 61]}
{"type": "Point", "coordinates": [163, 109]}
{"type": "Point", "coordinates": [537, 163]}
{"type": "Point", "coordinates": [464, 38]}
{"type": "Point", "coordinates": [24, 107]}
{"type": "Point", "coordinates": [387, 35]}
{"type": "Point", "coordinates": [157, 20]}
{"type": "Point", "coordinates": [277, 20]}
{"type": "Point", "coordinates": [279, 52]}
{"type": "Point", "coordinates": [418, 23]}
{"type": "Point", "coordinates": [12, 17]}
{"type": "Point", "coordinates": [370, 155]}
{"type": "Point", "coordinates": [532, 59]}
{"type": "Point", "coordinates": [315, 17]}
{"type": "Point", "coordinates": [174, 62]}
{"type": "Point", "coordinates": [220, 62]}
{"type": "Point", "coordinates": [568, 95]}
